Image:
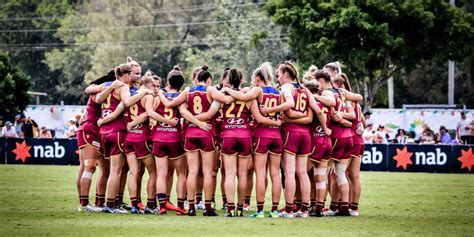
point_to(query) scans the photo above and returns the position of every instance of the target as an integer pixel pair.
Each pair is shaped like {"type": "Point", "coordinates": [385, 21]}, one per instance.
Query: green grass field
{"type": "Point", "coordinates": [42, 200]}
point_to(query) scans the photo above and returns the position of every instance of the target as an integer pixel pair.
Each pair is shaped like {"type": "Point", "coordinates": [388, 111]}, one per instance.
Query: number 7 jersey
{"type": "Point", "coordinates": [235, 120]}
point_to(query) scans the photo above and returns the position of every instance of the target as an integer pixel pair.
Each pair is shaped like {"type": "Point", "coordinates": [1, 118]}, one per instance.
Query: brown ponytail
{"type": "Point", "coordinates": [122, 69]}
{"type": "Point", "coordinates": [288, 67]}
{"type": "Point", "coordinates": [204, 74]}
{"type": "Point", "coordinates": [235, 77]}
{"type": "Point", "coordinates": [175, 78]}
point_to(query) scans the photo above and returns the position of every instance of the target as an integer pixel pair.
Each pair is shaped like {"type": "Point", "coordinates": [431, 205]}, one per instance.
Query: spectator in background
{"type": "Point", "coordinates": [427, 136]}
{"type": "Point", "coordinates": [367, 117]}
{"type": "Point", "coordinates": [45, 133]}
{"type": "Point", "coordinates": [29, 127]}
{"type": "Point", "coordinates": [464, 129]}
{"type": "Point", "coordinates": [78, 120]}
{"type": "Point", "coordinates": [369, 132]}
{"type": "Point", "coordinates": [9, 130]}
{"type": "Point", "coordinates": [444, 137]}
{"type": "Point", "coordinates": [17, 124]}
{"type": "Point", "coordinates": [72, 128]}
{"type": "Point", "coordinates": [401, 137]}
{"type": "Point", "coordinates": [381, 135]}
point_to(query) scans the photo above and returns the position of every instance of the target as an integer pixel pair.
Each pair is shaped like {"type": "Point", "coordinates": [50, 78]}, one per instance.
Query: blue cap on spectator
{"type": "Point", "coordinates": [8, 123]}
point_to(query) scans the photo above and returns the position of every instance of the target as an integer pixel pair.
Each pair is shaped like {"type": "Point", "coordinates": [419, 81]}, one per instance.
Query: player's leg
{"type": "Point", "coordinates": [104, 172]}
{"type": "Point", "coordinates": [113, 183]}
{"type": "Point", "coordinates": [242, 175]}
{"type": "Point", "coordinates": [200, 188]}
{"type": "Point", "coordinates": [353, 172]}
{"type": "Point", "coordinates": [134, 169]}
{"type": "Point", "coordinates": [215, 171]}
{"type": "Point", "coordinates": [274, 167]}
{"type": "Point", "coordinates": [149, 163]}
{"type": "Point", "coordinates": [208, 172]}
{"type": "Point", "coordinates": [192, 158]}
{"type": "Point", "coordinates": [248, 191]}
{"type": "Point", "coordinates": [260, 164]}
{"type": "Point", "coordinates": [161, 181]}
{"type": "Point", "coordinates": [224, 196]}
{"type": "Point", "coordinates": [169, 187]}
{"type": "Point", "coordinates": [302, 172]}
{"type": "Point", "coordinates": [320, 176]}
{"type": "Point", "coordinates": [89, 155]}
{"type": "Point", "coordinates": [230, 164]}
{"type": "Point", "coordinates": [123, 183]}
{"type": "Point", "coordinates": [79, 176]}
{"type": "Point", "coordinates": [290, 183]}
{"type": "Point", "coordinates": [139, 184]}
{"type": "Point", "coordinates": [181, 168]}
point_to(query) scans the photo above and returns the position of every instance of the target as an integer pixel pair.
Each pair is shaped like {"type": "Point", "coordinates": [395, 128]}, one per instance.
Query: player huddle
{"type": "Point", "coordinates": [305, 133]}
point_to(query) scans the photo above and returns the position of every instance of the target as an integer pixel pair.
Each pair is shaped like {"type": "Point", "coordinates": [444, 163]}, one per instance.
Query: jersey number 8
{"type": "Point", "coordinates": [197, 105]}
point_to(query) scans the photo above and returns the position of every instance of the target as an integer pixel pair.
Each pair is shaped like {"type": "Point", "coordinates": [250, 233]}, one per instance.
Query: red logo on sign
{"type": "Point", "coordinates": [403, 158]}
{"type": "Point", "coordinates": [22, 151]}
{"type": "Point", "coordinates": [466, 159]}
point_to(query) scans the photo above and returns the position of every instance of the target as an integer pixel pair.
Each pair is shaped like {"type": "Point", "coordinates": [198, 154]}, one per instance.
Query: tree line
{"type": "Point", "coordinates": [63, 45]}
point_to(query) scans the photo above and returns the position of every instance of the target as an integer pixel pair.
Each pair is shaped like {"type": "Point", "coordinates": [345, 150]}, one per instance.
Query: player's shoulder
{"type": "Point", "coordinates": [287, 88]}
{"type": "Point", "coordinates": [269, 90]}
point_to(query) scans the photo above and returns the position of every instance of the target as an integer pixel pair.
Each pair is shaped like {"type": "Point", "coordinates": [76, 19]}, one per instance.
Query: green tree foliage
{"type": "Point", "coordinates": [156, 34]}
{"type": "Point", "coordinates": [22, 23]}
{"type": "Point", "coordinates": [14, 85]}
{"type": "Point", "coordinates": [374, 39]}
{"type": "Point", "coordinates": [248, 43]}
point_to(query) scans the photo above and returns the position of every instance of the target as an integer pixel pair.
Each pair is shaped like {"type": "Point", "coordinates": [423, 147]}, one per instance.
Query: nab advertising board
{"type": "Point", "coordinates": [418, 158]}
{"type": "Point", "coordinates": [41, 151]}
{"type": "Point", "coordinates": [377, 157]}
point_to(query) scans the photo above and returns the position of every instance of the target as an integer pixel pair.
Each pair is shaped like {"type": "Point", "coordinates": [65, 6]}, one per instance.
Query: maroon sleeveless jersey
{"type": "Point", "coordinates": [108, 106]}
{"type": "Point", "coordinates": [316, 129]}
{"type": "Point", "coordinates": [339, 131]}
{"type": "Point", "coordinates": [164, 132]}
{"type": "Point", "coordinates": [270, 98]}
{"type": "Point", "coordinates": [300, 96]}
{"type": "Point", "coordinates": [141, 131]}
{"type": "Point", "coordinates": [93, 113]}
{"type": "Point", "coordinates": [198, 103]}
{"type": "Point", "coordinates": [235, 120]}
{"type": "Point", "coordinates": [356, 139]}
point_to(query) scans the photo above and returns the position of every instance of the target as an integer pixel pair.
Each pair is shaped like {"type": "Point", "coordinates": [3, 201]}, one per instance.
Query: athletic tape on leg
{"type": "Point", "coordinates": [87, 175]}
{"type": "Point", "coordinates": [320, 171]}
{"type": "Point", "coordinates": [341, 174]}
{"type": "Point", "coordinates": [320, 185]}
{"type": "Point", "coordinates": [328, 170]}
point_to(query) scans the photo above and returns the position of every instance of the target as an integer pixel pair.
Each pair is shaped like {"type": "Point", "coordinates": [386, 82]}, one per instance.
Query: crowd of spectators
{"type": "Point", "coordinates": [462, 134]}
{"type": "Point", "coordinates": [25, 127]}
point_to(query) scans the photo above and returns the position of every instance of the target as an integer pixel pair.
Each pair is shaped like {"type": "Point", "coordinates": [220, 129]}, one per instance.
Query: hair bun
{"type": "Point", "coordinates": [205, 67]}
{"type": "Point", "coordinates": [129, 59]}
{"type": "Point", "coordinates": [176, 68]}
